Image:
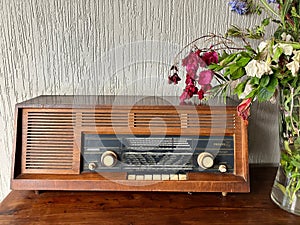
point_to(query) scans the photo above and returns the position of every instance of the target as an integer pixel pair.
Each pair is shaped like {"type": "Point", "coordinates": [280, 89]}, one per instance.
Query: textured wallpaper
{"type": "Point", "coordinates": [107, 47]}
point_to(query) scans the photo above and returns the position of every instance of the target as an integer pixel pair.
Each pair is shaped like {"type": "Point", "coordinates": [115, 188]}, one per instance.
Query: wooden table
{"type": "Point", "coordinates": [136, 208]}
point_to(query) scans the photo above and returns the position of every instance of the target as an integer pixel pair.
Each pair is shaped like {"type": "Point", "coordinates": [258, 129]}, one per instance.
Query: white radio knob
{"type": "Point", "coordinates": [92, 166]}
{"type": "Point", "coordinates": [205, 160]}
{"type": "Point", "coordinates": [109, 159]}
{"type": "Point", "coordinates": [223, 168]}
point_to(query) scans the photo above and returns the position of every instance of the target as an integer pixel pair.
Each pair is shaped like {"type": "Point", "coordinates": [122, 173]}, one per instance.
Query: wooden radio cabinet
{"type": "Point", "coordinates": [128, 143]}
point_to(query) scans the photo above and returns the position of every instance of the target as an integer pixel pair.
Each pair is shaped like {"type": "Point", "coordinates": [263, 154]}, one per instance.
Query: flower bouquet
{"type": "Point", "coordinates": [267, 72]}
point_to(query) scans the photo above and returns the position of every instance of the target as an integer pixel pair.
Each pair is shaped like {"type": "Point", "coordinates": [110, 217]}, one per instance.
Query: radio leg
{"type": "Point", "coordinates": [224, 194]}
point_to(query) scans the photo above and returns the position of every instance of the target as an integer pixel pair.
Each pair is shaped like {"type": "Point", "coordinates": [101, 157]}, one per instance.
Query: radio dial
{"type": "Point", "coordinates": [205, 160]}
{"type": "Point", "coordinates": [109, 159]}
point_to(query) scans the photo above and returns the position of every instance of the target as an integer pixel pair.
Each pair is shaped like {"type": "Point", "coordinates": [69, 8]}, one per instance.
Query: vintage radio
{"type": "Point", "coordinates": [128, 143]}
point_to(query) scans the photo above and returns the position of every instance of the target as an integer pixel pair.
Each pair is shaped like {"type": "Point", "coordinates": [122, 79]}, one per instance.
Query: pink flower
{"type": "Point", "coordinates": [206, 87]}
{"type": "Point", "coordinates": [205, 77]}
{"type": "Point", "coordinates": [184, 96]}
{"type": "Point", "coordinates": [243, 109]}
{"type": "Point", "coordinates": [192, 63]}
{"type": "Point", "coordinates": [174, 78]}
{"type": "Point", "coordinates": [192, 69]}
{"type": "Point", "coordinates": [210, 57]}
{"type": "Point", "coordinates": [191, 58]}
{"type": "Point", "coordinates": [191, 90]}
{"type": "Point", "coordinates": [189, 80]}
{"type": "Point", "coordinates": [200, 94]}
{"type": "Point", "coordinates": [188, 92]}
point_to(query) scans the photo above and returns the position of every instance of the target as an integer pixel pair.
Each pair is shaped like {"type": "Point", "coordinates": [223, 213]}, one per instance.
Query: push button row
{"type": "Point", "coordinates": [157, 177]}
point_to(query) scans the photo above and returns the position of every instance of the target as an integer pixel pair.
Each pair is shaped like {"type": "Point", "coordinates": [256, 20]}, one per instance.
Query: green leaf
{"type": "Point", "coordinates": [254, 81]}
{"type": "Point", "coordinates": [266, 22]}
{"type": "Point", "coordinates": [233, 68]}
{"type": "Point", "coordinates": [240, 88]}
{"type": "Point", "coordinates": [272, 84]}
{"type": "Point", "coordinates": [215, 67]}
{"type": "Point", "coordinates": [295, 163]}
{"type": "Point", "coordinates": [252, 94]}
{"type": "Point", "coordinates": [287, 147]}
{"type": "Point", "coordinates": [297, 142]}
{"type": "Point", "coordinates": [227, 72]}
{"type": "Point", "coordinates": [250, 50]}
{"type": "Point", "coordinates": [295, 175]}
{"type": "Point", "coordinates": [237, 73]}
{"type": "Point", "coordinates": [245, 54]}
{"type": "Point", "coordinates": [264, 94]}
{"type": "Point", "coordinates": [277, 53]}
{"type": "Point", "coordinates": [243, 61]}
{"type": "Point", "coordinates": [264, 81]}
{"type": "Point", "coordinates": [223, 56]}
{"type": "Point", "coordinates": [228, 59]}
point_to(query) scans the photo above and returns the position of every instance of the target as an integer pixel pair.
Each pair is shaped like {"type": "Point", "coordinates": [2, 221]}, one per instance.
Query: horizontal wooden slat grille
{"type": "Point", "coordinates": [183, 120]}
{"type": "Point", "coordinates": [104, 119]}
{"type": "Point", "coordinates": [50, 140]}
{"type": "Point", "coordinates": [211, 120]}
{"type": "Point", "coordinates": [156, 120]}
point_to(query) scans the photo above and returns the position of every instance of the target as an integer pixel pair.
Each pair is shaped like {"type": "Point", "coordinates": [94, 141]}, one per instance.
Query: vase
{"type": "Point", "coordinates": [286, 188]}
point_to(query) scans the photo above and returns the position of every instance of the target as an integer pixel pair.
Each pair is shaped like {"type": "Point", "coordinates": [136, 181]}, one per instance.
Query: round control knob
{"type": "Point", "coordinates": [205, 160]}
{"type": "Point", "coordinates": [223, 168]}
{"type": "Point", "coordinates": [92, 166]}
{"type": "Point", "coordinates": [109, 159]}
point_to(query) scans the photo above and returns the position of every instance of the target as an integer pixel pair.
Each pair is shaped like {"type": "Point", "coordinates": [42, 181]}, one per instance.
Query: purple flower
{"type": "Point", "coordinates": [239, 6]}
{"type": "Point", "coordinates": [272, 1]}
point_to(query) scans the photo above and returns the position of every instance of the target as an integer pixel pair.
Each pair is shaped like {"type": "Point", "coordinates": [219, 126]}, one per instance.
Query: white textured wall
{"type": "Point", "coordinates": [106, 47]}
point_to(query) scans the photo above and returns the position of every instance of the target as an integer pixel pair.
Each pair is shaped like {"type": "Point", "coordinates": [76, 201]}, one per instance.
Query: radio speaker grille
{"type": "Point", "coordinates": [189, 120]}
{"type": "Point", "coordinates": [157, 120]}
{"type": "Point", "coordinates": [211, 120]}
{"type": "Point", "coordinates": [50, 139]}
{"type": "Point", "coordinates": [104, 119]}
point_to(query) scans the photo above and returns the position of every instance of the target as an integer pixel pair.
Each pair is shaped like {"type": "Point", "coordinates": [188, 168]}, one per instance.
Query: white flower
{"type": "Point", "coordinates": [293, 67]}
{"type": "Point", "coordinates": [287, 49]}
{"type": "Point", "coordinates": [283, 36]}
{"type": "Point", "coordinates": [262, 45]}
{"type": "Point", "coordinates": [257, 68]}
{"type": "Point", "coordinates": [251, 68]}
{"type": "Point", "coordinates": [296, 56]}
{"type": "Point", "coordinates": [247, 90]}
{"type": "Point", "coordinates": [263, 48]}
{"type": "Point", "coordinates": [286, 37]}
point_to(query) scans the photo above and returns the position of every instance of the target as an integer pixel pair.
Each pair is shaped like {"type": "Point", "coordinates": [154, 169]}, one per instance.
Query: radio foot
{"type": "Point", "coordinates": [37, 192]}
{"type": "Point", "coordinates": [224, 194]}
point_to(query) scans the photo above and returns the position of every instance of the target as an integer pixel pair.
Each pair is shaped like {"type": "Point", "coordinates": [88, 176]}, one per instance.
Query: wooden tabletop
{"type": "Point", "coordinates": [136, 208]}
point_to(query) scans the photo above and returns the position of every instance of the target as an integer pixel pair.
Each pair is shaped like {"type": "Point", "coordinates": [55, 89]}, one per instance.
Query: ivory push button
{"type": "Point", "coordinates": [205, 160]}
{"type": "Point", "coordinates": [109, 159]}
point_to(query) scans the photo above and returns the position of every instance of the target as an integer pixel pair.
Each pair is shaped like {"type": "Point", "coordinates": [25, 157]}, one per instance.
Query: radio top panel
{"type": "Point", "coordinates": [78, 101]}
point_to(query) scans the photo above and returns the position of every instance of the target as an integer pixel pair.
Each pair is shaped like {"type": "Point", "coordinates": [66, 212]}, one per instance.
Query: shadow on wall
{"type": "Point", "coordinates": [263, 133]}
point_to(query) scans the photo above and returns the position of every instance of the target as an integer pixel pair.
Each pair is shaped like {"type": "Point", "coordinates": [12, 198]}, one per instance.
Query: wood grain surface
{"type": "Point", "coordinates": [131, 208]}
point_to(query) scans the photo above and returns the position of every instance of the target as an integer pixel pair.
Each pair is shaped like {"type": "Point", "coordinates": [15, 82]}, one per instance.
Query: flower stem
{"type": "Point", "coordinates": [267, 6]}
